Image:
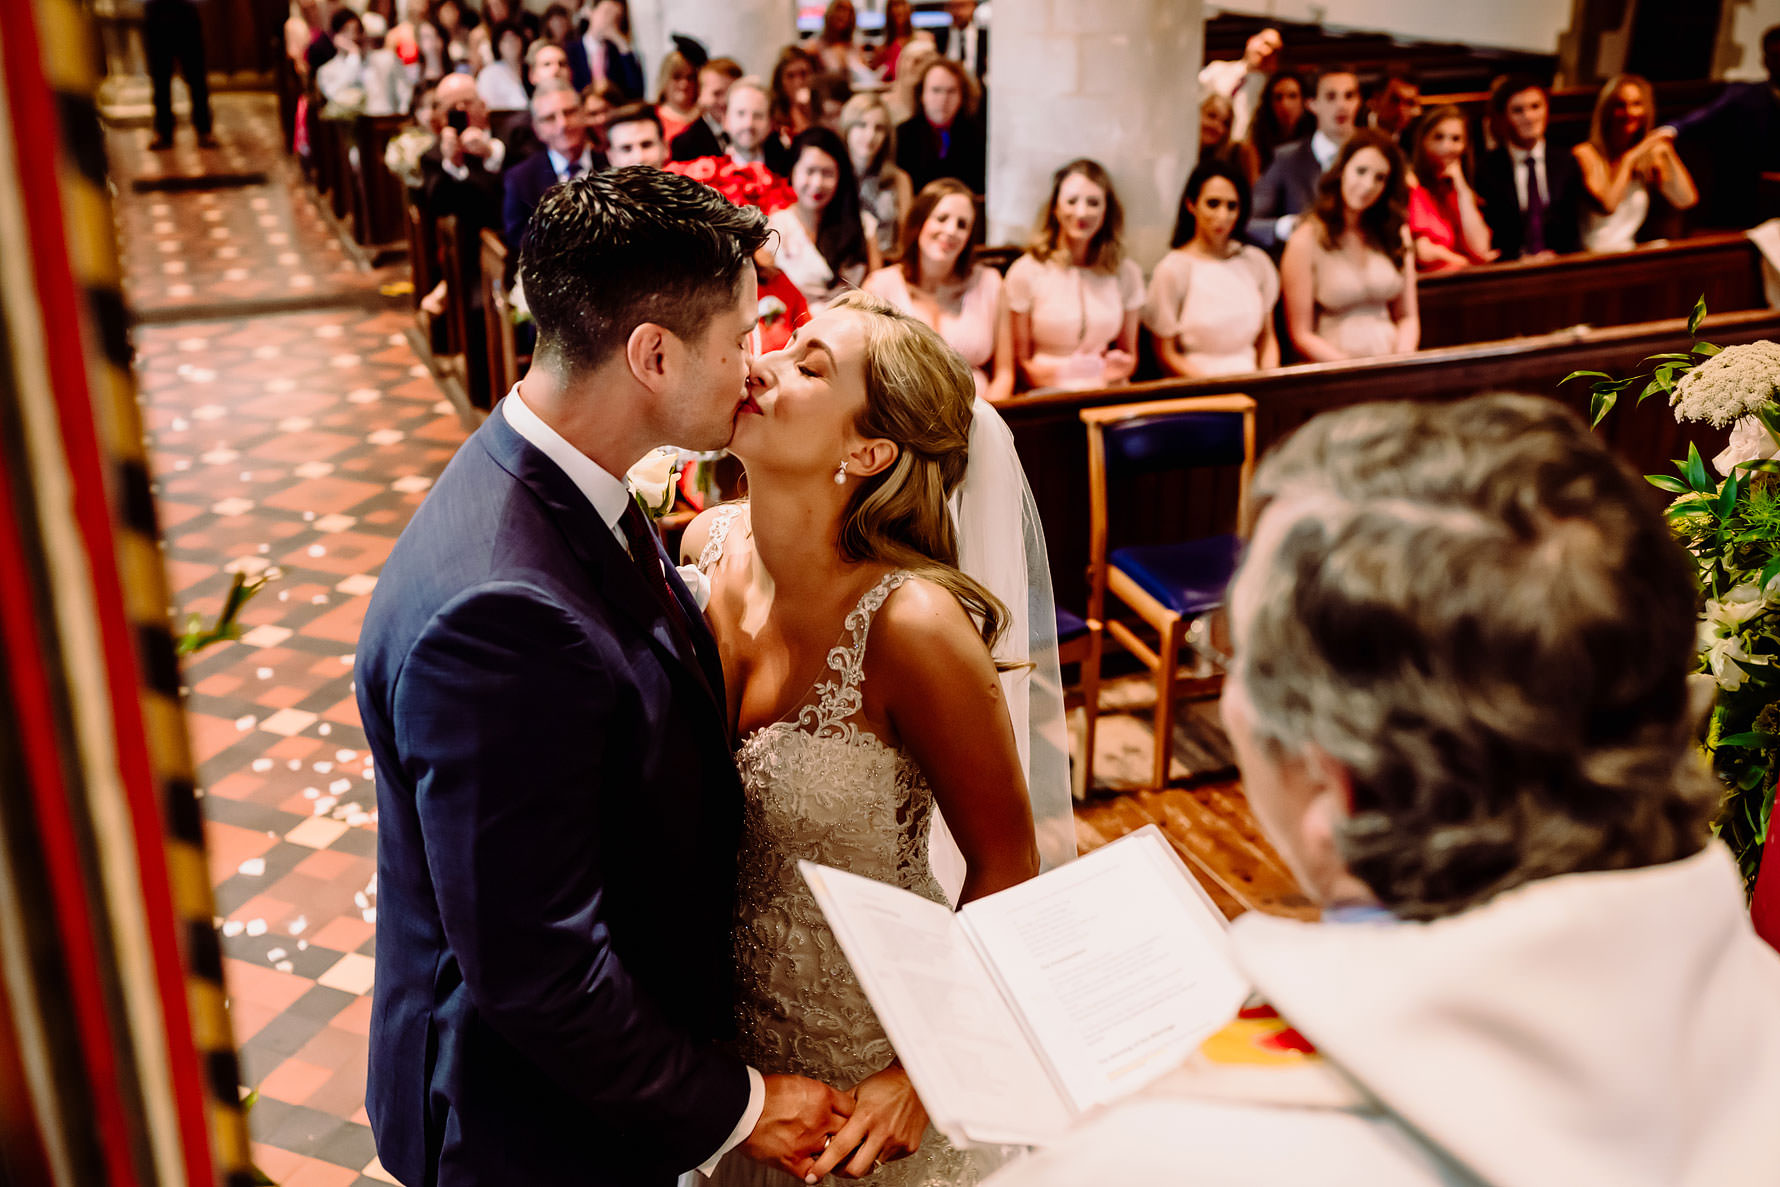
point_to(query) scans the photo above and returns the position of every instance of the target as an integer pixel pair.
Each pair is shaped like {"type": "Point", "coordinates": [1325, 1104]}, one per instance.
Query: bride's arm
{"type": "Point", "coordinates": [943, 695]}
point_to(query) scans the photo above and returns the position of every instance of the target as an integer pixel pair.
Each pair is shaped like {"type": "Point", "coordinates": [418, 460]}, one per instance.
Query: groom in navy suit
{"type": "Point", "coordinates": [558, 808]}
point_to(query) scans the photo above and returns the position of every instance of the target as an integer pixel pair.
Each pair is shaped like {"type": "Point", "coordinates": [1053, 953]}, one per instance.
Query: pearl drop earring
{"type": "Point", "coordinates": [840, 475]}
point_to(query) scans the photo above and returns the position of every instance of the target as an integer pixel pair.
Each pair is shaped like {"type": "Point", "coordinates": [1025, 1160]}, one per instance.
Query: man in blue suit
{"type": "Point", "coordinates": [561, 126]}
{"type": "Point", "coordinates": [1739, 132]}
{"type": "Point", "coordinates": [558, 805]}
{"type": "Point", "coordinates": [1288, 188]}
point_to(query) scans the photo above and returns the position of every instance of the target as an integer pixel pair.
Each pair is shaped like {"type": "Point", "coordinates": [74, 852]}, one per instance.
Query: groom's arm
{"type": "Point", "coordinates": [503, 707]}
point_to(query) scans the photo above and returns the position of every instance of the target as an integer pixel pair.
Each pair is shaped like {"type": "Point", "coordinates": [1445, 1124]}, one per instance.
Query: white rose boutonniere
{"type": "Point", "coordinates": [652, 481]}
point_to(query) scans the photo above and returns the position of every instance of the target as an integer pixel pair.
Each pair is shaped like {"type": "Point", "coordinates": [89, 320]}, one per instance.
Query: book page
{"type": "Point", "coordinates": [1118, 962]}
{"type": "Point", "coordinates": [963, 1046]}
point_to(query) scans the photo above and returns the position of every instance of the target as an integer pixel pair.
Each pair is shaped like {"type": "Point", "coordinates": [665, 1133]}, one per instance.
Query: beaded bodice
{"type": "Point", "coordinates": [820, 786]}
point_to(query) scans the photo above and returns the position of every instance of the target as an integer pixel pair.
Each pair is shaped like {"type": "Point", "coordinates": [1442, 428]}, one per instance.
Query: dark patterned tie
{"type": "Point", "coordinates": [646, 552]}
{"type": "Point", "coordinates": [1535, 212]}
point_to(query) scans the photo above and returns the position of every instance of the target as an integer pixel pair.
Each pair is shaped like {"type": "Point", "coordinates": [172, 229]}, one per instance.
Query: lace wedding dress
{"type": "Point", "coordinates": [821, 788]}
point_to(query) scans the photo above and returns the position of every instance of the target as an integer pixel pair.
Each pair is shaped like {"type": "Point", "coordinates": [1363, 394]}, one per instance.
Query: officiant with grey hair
{"type": "Point", "coordinates": [1460, 642]}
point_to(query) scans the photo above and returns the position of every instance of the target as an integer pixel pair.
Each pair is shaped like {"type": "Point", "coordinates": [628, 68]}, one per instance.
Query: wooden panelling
{"type": "Point", "coordinates": [1053, 444]}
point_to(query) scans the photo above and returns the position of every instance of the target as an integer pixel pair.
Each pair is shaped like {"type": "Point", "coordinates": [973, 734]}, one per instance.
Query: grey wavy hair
{"type": "Point", "coordinates": [1480, 614]}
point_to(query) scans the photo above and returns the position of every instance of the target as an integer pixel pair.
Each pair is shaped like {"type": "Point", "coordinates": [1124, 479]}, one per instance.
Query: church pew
{"type": "Point", "coordinates": [377, 220]}
{"type": "Point", "coordinates": [1654, 280]}
{"type": "Point", "coordinates": [1053, 443]}
{"type": "Point", "coordinates": [497, 317]}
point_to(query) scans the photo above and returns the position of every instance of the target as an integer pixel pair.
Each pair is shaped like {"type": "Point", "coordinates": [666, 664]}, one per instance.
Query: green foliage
{"type": "Point", "coordinates": [1732, 528]}
{"type": "Point", "coordinates": [197, 636]}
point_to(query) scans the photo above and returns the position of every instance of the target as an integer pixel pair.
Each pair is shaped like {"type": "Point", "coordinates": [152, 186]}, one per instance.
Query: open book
{"type": "Point", "coordinates": [1030, 1007]}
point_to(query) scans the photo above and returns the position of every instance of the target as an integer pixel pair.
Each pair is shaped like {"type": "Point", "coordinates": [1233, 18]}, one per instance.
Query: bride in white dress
{"type": "Point", "coordinates": [864, 696]}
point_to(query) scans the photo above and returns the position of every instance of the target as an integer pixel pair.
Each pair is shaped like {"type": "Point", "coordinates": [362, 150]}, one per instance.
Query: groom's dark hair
{"type": "Point", "coordinates": [608, 252]}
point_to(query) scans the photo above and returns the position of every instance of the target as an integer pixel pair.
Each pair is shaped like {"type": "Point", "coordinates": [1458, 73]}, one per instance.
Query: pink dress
{"type": "Point", "coordinates": [969, 329]}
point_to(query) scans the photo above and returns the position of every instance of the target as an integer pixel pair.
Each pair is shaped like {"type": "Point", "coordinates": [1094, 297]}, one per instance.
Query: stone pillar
{"type": "Point", "coordinates": [750, 31]}
{"type": "Point", "coordinates": [1117, 82]}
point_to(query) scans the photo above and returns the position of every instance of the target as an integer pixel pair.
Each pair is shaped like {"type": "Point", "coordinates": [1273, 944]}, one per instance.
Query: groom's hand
{"type": "Point", "coordinates": [796, 1123]}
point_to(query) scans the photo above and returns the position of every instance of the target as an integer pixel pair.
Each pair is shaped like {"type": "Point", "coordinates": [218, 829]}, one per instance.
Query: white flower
{"type": "Point", "coordinates": [652, 479]}
{"type": "Point", "coordinates": [1724, 657]}
{"type": "Point", "coordinates": [1727, 617]}
{"type": "Point", "coordinates": [1730, 385]}
{"type": "Point", "coordinates": [1750, 440]}
{"type": "Point", "coordinates": [697, 584]}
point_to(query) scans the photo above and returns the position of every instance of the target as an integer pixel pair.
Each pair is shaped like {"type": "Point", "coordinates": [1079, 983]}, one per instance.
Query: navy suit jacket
{"type": "Point", "coordinates": [523, 188]}
{"type": "Point", "coordinates": [1287, 187]}
{"type": "Point", "coordinates": [558, 820]}
{"type": "Point", "coordinates": [623, 70]}
{"type": "Point", "coordinates": [698, 140]}
{"type": "Point", "coordinates": [1500, 200]}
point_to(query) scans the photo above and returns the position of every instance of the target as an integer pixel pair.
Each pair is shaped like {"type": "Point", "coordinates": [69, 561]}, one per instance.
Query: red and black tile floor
{"type": "Point", "coordinates": [295, 444]}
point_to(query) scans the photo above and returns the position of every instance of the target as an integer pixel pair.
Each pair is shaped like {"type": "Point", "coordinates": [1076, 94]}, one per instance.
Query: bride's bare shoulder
{"type": "Point", "coordinates": [698, 533]}
{"type": "Point", "coordinates": [922, 631]}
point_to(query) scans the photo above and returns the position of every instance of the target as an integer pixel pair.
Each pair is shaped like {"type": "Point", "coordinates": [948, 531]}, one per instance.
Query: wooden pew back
{"type": "Point", "coordinates": [378, 203]}
{"type": "Point", "coordinates": [497, 316]}
{"type": "Point", "coordinates": [1053, 444]}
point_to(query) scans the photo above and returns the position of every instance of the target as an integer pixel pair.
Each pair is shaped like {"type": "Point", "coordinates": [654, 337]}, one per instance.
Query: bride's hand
{"type": "Point", "coordinates": [887, 1123]}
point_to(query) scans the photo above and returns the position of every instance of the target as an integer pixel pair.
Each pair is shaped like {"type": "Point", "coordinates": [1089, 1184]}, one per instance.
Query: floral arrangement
{"type": "Point", "coordinates": [751, 184]}
{"type": "Point", "coordinates": [1730, 523]}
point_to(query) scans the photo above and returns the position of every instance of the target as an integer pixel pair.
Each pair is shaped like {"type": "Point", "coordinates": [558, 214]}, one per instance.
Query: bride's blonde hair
{"type": "Point", "coordinates": [918, 393]}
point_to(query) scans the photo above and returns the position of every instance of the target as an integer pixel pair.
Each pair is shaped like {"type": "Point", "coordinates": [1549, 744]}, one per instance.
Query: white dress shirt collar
{"type": "Point", "coordinates": [1323, 149]}
{"type": "Point", "coordinates": [559, 163]}
{"type": "Point", "coordinates": [1519, 155]}
{"type": "Point", "coordinates": [608, 495]}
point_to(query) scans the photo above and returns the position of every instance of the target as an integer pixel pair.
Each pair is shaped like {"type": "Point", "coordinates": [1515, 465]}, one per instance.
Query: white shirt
{"type": "Point", "coordinates": [1231, 78]}
{"type": "Point", "coordinates": [560, 164]}
{"type": "Point", "coordinates": [1519, 158]}
{"type": "Point", "coordinates": [609, 497]}
{"type": "Point", "coordinates": [500, 88]}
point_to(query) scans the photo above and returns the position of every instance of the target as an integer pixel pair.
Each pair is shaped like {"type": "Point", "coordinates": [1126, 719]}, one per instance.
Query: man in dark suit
{"type": "Point", "coordinates": [560, 124]}
{"type": "Point", "coordinates": [1740, 131]}
{"type": "Point", "coordinates": [173, 37]}
{"type": "Point", "coordinates": [1530, 189]}
{"type": "Point", "coordinates": [558, 804]}
{"type": "Point", "coordinates": [705, 136]}
{"type": "Point", "coordinates": [1288, 188]}
{"type": "Point", "coordinates": [966, 40]}
{"type": "Point", "coordinates": [943, 137]}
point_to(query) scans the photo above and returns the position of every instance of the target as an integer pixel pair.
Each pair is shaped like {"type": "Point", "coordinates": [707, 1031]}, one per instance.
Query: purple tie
{"type": "Point", "coordinates": [1535, 212]}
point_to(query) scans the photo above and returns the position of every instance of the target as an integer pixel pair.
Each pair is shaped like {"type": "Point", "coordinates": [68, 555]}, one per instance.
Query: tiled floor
{"type": "Point", "coordinates": [299, 443]}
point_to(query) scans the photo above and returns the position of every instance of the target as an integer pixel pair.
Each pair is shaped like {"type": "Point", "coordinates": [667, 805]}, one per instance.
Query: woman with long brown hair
{"type": "Point", "coordinates": [1444, 217]}
{"type": "Point", "coordinates": [861, 658]}
{"type": "Point", "coordinates": [1348, 273]}
{"type": "Point", "coordinates": [1629, 170]}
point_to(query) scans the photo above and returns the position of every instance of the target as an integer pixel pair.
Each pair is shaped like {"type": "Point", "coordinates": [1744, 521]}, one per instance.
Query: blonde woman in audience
{"type": "Point", "coordinates": [1216, 116]}
{"type": "Point", "coordinates": [826, 244]}
{"type": "Point", "coordinates": [1444, 216]}
{"type": "Point", "coordinates": [1074, 297]}
{"type": "Point", "coordinates": [676, 95]}
{"type": "Point", "coordinates": [1628, 169]}
{"type": "Point", "coordinates": [1211, 299]}
{"type": "Point", "coordinates": [1349, 270]}
{"type": "Point", "coordinates": [884, 189]}
{"type": "Point", "coordinates": [938, 282]}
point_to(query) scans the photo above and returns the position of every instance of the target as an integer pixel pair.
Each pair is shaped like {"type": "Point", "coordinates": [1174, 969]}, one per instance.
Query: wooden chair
{"type": "Point", "coordinates": [497, 317]}
{"type": "Point", "coordinates": [1166, 586]}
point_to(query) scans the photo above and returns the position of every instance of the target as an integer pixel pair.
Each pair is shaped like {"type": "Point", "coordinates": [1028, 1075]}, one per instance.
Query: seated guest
{"type": "Point", "coordinates": [1629, 171]}
{"type": "Point", "coordinates": [899, 31]}
{"type": "Point", "coordinates": [826, 244]}
{"type": "Point", "coordinates": [829, 94]}
{"type": "Point", "coordinates": [1462, 638]}
{"type": "Point", "coordinates": [633, 137]}
{"type": "Point", "coordinates": [1289, 186]}
{"type": "Point", "coordinates": [835, 46]}
{"type": "Point", "coordinates": [1242, 80]}
{"type": "Point", "coordinates": [1395, 105]}
{"type": "Point", "coordinates": [1210, 304]}
{"type": "Point", "coordinates": [340, 77]}
{"type": "Point", "coordinates": [464, 169]}
{"type": "Point", "coordinates": [454, 26]}
{"type": "Point", "coordinates": [501, 83]}
{"type": "Point", "coordinates": [496, 13]}
{"type": "Point", "coordinates": [1444, 219]}
{"type": "Point", "coordinates": [1074, 297]}
{"type": "Point", "coordinates": [602, 52]}
{"type": "Point", "coordinates": [558, 24]}
{"type": "Point", "coordinates": [966, 40]}
{"type": "Point", "coordinates": [904, 99]}
{"type": "Point", "coordinates": [792, 72]}
{"type": "Point", "coordinates": [431, 62]}
{"type": "Point", "coordinates": [938, 283]}
{"type": "Point", "coordinates": [943, 138]}
{"type": "Point", "coordinates": [676, 95]}
{"type": "Point", "coordinates": [1348, 273]}
{"type": "Point", "coordinates": [1280, 119]}
{"type": "Point", "coordinates": [388, 90]}
{"type": "Point", "coordinates": [747, 124]}
{"type": "Point", "coordinates": [884, 189]}
{"type": "Point", "coordinates": [1743, 124]}
{"type": "Point", "coordinates": [704, 137]}
{"type": "Point", "coordinates": [561, 127]}
{"type": "Point", "coordinates": [1530, 190]}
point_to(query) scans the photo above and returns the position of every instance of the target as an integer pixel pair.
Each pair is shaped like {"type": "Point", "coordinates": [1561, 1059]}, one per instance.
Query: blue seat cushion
{"type": "Point", "coordinates": [1187, 578]}
{"type": "Point", "coordinates": [1069, 626]}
